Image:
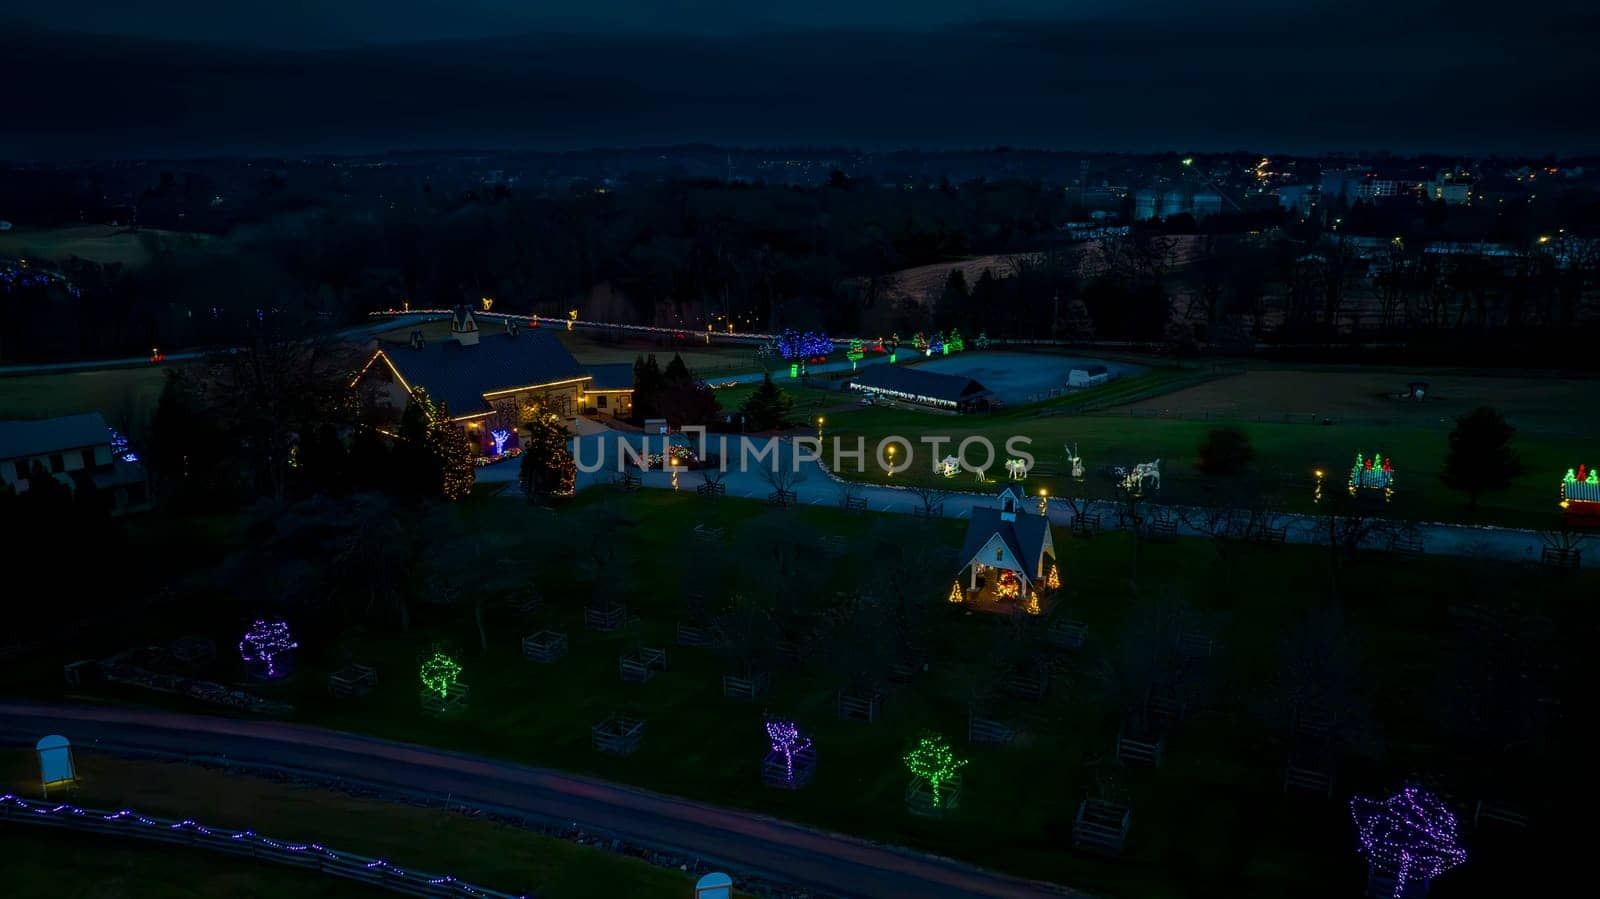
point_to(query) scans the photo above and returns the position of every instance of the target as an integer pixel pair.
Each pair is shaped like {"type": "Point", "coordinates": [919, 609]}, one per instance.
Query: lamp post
{"type": "Point", "coordinates": [891, 460]}
{"type": "Point", "coordinates": [1044, 502]}
{"type": "Point", "coordinates": [819, 427]}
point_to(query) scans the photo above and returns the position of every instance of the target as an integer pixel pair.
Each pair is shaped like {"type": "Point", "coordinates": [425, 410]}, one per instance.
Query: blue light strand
{"type": "Point", "coordinates": [248, 836]}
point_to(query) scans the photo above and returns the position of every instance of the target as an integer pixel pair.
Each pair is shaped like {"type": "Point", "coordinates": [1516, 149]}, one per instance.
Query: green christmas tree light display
{"type": "Point", "coordinates": [439, 673]}
{"type": "Point", "coordinates": [935, 762]}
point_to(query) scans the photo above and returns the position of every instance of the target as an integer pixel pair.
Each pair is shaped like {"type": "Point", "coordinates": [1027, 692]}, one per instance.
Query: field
{"type": "Point", "coordinates": [437, 841]}
{"type": "Point", "coordinates": [104, 244]}
{"type": "Point", "coordinates": [1213, 814]}
{"type": "Point", "coordinates": [1165, 413]}
{"type": "Point", "coordinates": [126, 396]}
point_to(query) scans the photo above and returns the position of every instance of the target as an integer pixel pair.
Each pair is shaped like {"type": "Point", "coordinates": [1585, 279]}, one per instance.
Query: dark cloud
{"type": "Point", "coordinates": [1155, 77]}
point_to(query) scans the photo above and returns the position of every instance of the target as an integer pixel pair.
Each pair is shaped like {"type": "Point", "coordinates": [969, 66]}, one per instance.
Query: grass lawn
{"type": "Point", "coordinates": [1212, 820]}
{"type": "Point", "coordinates": [126, 396]}
{"type": "Point", "coordinates": [57, 864]}
{"type": "Point", "coordinates": [97, 243]}
{"type": "Point", "coordinates": [438, 842]}
{"type": "Point", "coordinates": [1115, 425]}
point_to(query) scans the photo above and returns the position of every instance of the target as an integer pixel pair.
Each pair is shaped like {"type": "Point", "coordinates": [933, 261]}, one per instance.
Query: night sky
{"type": "Point", "coordinates": [87, 78]}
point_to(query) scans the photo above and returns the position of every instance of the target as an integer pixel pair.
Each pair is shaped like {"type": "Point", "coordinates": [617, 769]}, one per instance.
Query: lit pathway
{"type": "Point", "coordinates": [739, 840]}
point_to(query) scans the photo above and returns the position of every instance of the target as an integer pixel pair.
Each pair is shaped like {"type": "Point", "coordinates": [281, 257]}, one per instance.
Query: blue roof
{"type": "Point", "coordinates": [1024, 537]}
{"type": "Point", "coordinates": [611, 376]}
{"type": "Point", "coordinates": [459, 376]}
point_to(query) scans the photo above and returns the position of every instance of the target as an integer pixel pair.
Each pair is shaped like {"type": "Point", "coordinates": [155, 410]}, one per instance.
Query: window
{"type": "Point", "coordinates": [999, 552]}
{"type": "Point", "coordinates": [1008, 505]}
{"type": "Point", "coordinates": [58, 464]}
{"type": "Point", "coordinates": [88, 458]}
{"type": "Point", "coordinates": [600, 401]}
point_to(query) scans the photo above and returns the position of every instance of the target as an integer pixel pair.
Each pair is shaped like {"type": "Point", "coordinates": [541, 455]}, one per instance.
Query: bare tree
{"type": "Point", "coordinates": [931, 497]}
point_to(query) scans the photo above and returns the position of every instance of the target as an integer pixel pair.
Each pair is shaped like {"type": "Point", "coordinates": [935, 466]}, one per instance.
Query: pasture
{"type": "Point", "coordinates": [1165, 413]}
{"type": "Point", "coordinates": [105, 244]}
{"type": "Point", "coordinates": [1213, 813]}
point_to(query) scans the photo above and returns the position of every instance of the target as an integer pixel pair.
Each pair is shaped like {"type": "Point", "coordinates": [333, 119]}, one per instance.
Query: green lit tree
{"type": "Point", "coordinates": [439, 673]}
{"type": "Point", "coordinates": [935, 762]}
{"type": "Point", "coordinates": [1481, 458]}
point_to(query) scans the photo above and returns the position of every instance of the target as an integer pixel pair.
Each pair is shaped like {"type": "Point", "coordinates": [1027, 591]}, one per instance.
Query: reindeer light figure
{"type": "Point", "coordinates": [1017, 468]}
{"type": "Point", "coordinates": [1075, 459]}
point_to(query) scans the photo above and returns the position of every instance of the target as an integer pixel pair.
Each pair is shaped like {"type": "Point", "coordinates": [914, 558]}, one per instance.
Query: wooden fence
{"type": "Point", "coordinates": [309, 856]}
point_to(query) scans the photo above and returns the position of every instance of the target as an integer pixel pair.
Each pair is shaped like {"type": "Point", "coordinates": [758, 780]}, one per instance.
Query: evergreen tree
{"type": "Point", "coordinates": [1481, 458]}
{"type": "Point", "coordinates": [433, 458]}
{"type": "Point", "coordinates": [677, 372]}
{"type": "Point", "coordinates": [648, 381]}
{"type": "Point", "coordinates": [547, 468]}
{"type": "Point", "coordinates": [768, 407]}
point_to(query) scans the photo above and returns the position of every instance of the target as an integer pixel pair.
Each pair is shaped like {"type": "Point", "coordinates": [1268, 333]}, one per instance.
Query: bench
{"type": "Point", "coordinates": [783, 499]}
{"type": "Point", "coordinates": [1273, 536]}
{"type": "Point", "coordinates": [641, 665]}
{"type": "Point", "coordinates": [545, 646]}
{"type": "Point", "coordinates": [712, 489]}
{"type": "Point", "coordinates": [1086, 525]}
{"type": "Point", "coordinates": [353, 681]}
{"type": "Point", "coordinates": [631, 481]}
{"type": "Point", "coordinates": [1101, 826]}
{"type": "Point", "coordinates": [854, 505]}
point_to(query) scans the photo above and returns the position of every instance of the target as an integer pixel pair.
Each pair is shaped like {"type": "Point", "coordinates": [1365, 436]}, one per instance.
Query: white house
{"type": "Point", "coordinates": [71, 449]}
{"type": "Point", "coordinates": [1008, 554]}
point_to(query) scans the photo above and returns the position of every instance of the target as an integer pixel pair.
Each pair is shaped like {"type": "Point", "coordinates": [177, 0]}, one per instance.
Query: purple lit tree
{"type": "Point", "coordinates": [791, 761]}
{"type": "Point", "coordinates": [264, 642]}
{"type": "Point", "coordinates": [1411, 835]}
{"type": "Point", "coordinates": [786, 739]}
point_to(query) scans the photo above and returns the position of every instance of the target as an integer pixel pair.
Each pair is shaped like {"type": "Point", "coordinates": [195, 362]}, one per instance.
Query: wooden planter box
{"type": "Point", "coordinates": [919, 797]}
{"type": "Point", "coordinates": [1162, 531]}
{"type": "Point", "coordinates": [640, 666]}
{"type": "Point", "coordinates": [1067, 633]}
{"type": "Point", "coordinates": [1134, 751]}
{"type": "Point", "coordinates": [735, 687]}
{"type": "Point", "coordinates": [618, 735]}
{"type": "Point", "coordinates": [529, 604]}
{"type": "Point", "coordinates": [1309, 772]}
{"type": "Point", "coordinates": [1086, 525]}
{"type": "Point", "coordinates": [783, 499]}
{"type": "Point", "coordinates": [989, 730]}
{"type": "Point", "coordinates": [353, 681]}
{"type": "Point", "coordinates": [454, 699]}
{"type": "Point", "coordinates": [712, 489]}
{"type": "Point", "coordinates": [775, 770]}
{"type": "Point", "coordinates": [545, 646]}
{"type": "Point", "coordinates": [605, 618]}
{"type": "Point", "coordinates": [630, 481]}
{"type": "Point", "coordinates": [709, 535]}
{"type": "Point", "coordinates": [1101, 827]}
{"type": "Point", "coordinates": [851, 707]}
{"type": "Point", "coordinates": [1029, 685]}
{"type": "Point", "coordinates": [693, 635]}
{"type": "Point", "coordinates": [193, 652]}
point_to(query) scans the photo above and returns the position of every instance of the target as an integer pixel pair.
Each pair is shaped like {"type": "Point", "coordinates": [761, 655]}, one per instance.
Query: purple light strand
{"type": "Point", "coordinates": [1411, 833]}
{"type": "Point", "coordinates": [129, 815]}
